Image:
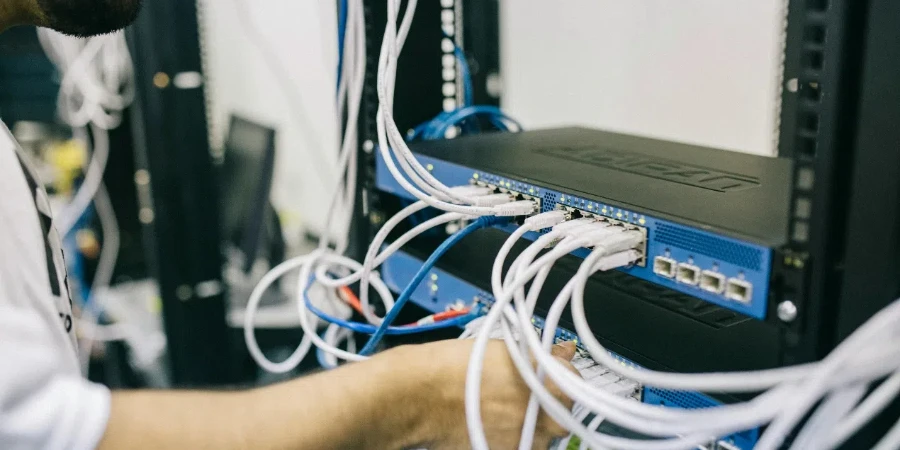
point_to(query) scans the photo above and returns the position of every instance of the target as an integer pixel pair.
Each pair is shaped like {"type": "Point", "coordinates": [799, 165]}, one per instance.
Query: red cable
{"type": "Point", "coordinates": [350, 297]}
{"type": "Point", "coordinates": [444, 315]}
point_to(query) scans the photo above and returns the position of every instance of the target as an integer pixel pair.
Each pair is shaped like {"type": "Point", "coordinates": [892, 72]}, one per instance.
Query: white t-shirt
{"type": "Point", "coordinates": [45, 403]}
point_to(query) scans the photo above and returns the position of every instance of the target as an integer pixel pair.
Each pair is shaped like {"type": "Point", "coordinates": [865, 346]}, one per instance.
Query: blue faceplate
{"type": "Point", "coordinates": [736, 263]}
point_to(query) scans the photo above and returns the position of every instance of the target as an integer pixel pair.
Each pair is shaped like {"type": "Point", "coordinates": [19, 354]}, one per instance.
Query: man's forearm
{"type": "Point", "coordinates": [363, 405]}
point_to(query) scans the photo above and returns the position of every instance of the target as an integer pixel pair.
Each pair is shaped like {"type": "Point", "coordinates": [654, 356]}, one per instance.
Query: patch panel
{"type": "Point", "coordinates": [744, 262]}
{"type": "Point", "coordinates": [445, 291]}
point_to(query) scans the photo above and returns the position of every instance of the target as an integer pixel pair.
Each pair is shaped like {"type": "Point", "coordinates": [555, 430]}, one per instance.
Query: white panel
{"type": "Point", "coordinates": [302, 37]}
{"type": "Point", "coordinates": [699, 71]}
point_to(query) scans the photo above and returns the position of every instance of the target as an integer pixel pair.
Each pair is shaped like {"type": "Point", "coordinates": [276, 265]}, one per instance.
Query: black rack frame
{"type": "Point", "coordinates": [178, 193]}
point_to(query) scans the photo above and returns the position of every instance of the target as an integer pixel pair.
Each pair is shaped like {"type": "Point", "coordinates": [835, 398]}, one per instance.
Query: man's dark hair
{"type": "Point", "coordinates": [89, 17]}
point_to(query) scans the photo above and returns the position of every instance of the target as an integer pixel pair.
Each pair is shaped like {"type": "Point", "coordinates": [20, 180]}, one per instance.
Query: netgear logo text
{"type": "Point", "coordinates": [649, 166]}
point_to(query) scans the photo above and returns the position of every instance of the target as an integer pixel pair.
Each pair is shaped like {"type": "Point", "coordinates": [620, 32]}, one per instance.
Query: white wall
{"type": "Point", "coordinates": [699, 71]}
{"type": "Point", "coordinates": [301, 34]}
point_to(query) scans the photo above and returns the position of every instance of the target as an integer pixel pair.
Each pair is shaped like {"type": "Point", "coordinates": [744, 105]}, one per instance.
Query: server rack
{"type": "Point", "coordinates": [177, 191]}
{"type": "Point", "coordinates": [841, 264]}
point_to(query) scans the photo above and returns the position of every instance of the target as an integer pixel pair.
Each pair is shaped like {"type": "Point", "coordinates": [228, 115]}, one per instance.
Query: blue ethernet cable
{"type": "Point", "coordinates": [461, 114]}
{"type": "Point", "coordinates": [365, 328]}
{"type": "Point", "coordinates": [468, 89]}
{"type": "Point", "coordinates": [76, 269]}
{"type": "Point", "coordinates": [436, 128]}
{"type": "Point", "coordinates": [342, 30]}
{"type": "Point", "coordinates": [481, 222]}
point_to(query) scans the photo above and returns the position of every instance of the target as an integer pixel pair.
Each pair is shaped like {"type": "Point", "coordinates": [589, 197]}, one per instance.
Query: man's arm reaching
{"type": "Point", "coordinates": [356, 406]}
{"type": "Point", "coordinates": [406, 397]}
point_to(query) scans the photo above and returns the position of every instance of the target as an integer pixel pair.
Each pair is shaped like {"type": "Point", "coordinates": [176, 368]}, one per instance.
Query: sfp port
{"type": "Point", "coordinates": [688, 274]}
{"type": "Point", "coordinates": [664, 267]}
{"type": "Point", "coordinates": [738, 290]}
{"type": "Point", "coordinates": [712, 282]}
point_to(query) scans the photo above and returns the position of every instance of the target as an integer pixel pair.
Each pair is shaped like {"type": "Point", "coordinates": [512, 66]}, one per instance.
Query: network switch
{"type": "Point", "coordinates": [446, 291]}
{"type": "Point", "coordinates": [704, 222]}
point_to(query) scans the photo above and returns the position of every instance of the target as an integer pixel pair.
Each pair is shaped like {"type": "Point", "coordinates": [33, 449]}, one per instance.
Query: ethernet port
{"type": "Point", "coordinates": [576, 214]}
{"type": "Point", "coordinates": [739, 290]}
{"type": "Point", "coordinates": [664, 267]}
{"type": "Point", "coordinates": [712, 282]}
{"type": "Point", "coordinates": [688, 274]}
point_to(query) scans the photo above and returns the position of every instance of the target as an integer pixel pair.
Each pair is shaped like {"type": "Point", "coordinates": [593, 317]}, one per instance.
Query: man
{"type": "Point", "coordinates": [403, 398]}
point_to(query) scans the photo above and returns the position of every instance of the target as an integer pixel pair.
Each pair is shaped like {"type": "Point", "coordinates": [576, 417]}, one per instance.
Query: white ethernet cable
{"type": "Point", "coordinates": [540, 356]}
{"type": "Point", "coordinates": [563, 416]}
{"type": "Point", "coordinates": [392, 45]}
{"type": "Point", "coordinates": [501, 299]}
{"type": "Point", "coordinates": [326, 260]}
{"type": "Point", "coordinates": [832, 410]}
{"type": "Point", "coordinates": [354, 64]}
{"type": "Point", "coordinates": [559, 413]}
{"type": "Point", "coordinates": [525, 324]}
{"type": "Point", "coordinates": [344, 189]}
{"type": "Point", "coordinates": [303, 283]}
{"type": "Point", "coordinates": [320, 260]}
{"type": "Point", "coordinates": [371, 261]}
{"type": "Point", "coordinates": [862, 414]}
{"type": "Point", "coordinates": [580, 234]}
{"type": "Point", "coordinates": [97, 84]}
{"type": "Point", "coordinates": [93, 178]}
{"type": "Point", "coordinates": [97, 77]}
{"type": "Point", "coordinates": [109, 253]}
{"type": "Point", "coordinates": [391, 140]}
{"type": "Point", "coordinates": [334, 335]}
{"type": "Point", "coordinates": [556, 409]}
{"type": "Point", "coordinates": [253, 348]}
{"type": "Point", "coordinates": [303, 263]}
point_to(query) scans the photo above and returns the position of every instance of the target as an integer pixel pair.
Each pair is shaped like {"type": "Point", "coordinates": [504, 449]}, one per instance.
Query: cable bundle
{"type": "Point", "coordinates": [96, 85]}
{"type": "Point", "coordinates": [840, 382]}
{"type": "Point", "coordinates": [326, 266]}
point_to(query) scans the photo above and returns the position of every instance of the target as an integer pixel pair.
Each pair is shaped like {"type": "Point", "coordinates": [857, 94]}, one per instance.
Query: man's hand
{"type": "Point", "coordinates": [504, 396]}
{"type": "Point", "coordinates": [407, 397]}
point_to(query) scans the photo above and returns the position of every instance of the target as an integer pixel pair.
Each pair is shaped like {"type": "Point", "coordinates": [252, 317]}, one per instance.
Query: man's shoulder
{"type": "Point", "coordinates": [30, 250]}
{"type": "Point", "coordinates": [17, 186]}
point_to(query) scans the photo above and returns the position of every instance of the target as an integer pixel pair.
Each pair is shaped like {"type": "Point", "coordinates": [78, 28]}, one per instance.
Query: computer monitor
{"type": "Point", "coordinates": [246, 182]}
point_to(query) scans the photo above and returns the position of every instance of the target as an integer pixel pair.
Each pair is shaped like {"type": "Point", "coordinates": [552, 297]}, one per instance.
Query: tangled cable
{"type": "Point", "coordinates": [842, 379]}
{"type": "Point", "coordinates": [96, 85]}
